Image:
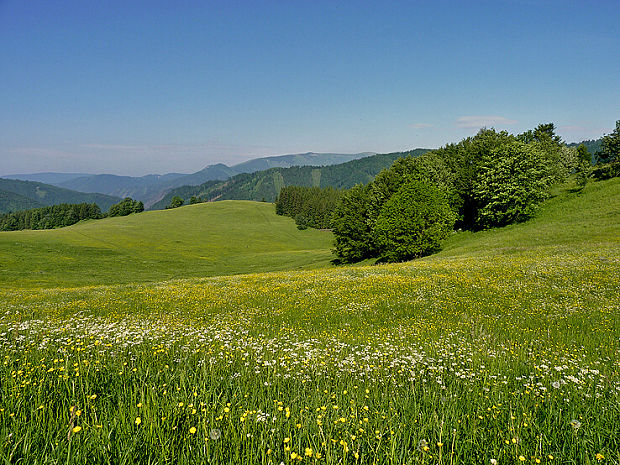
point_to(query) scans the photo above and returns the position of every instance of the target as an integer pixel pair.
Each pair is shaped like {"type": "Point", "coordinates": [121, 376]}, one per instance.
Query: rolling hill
{"type": "Point", "coordinates": [265, 185]}
{"type": "Point", "coordinates": [21, 195]}
{"type": "Point", "coordinates": [194, 241]}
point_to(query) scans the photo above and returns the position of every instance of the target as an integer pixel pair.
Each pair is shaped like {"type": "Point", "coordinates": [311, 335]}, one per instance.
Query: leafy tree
{"type": "Point", "coordinates": [176, 202]}
{"type": "Point", "coordinates": [610, 146]}
{"type": "Point", "coordinates": [463, 161]}
{"type": "Point", "coordinates": [582, 170]}
{"type": "Point", "coordinates": [413, 222]}
{"type": "Point", "coordinates": [512, 181]}
{"type": "Point", "coordinates": [126, 207]}
{"type": "Point", "coordinates": [542, 133]}
{"type": "Point", "coordinates": [353, 236]}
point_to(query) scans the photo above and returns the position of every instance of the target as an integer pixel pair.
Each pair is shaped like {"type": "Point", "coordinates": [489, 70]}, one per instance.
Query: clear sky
{"type": "Point", "coordinates": [136, 87]}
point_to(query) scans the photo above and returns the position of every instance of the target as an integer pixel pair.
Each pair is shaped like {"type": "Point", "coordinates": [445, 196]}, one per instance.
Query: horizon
{"type": "Point", "coordinates": [147, 87]}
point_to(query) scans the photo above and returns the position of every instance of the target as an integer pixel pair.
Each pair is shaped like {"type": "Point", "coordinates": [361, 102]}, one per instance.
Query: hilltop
{"type": "Point", "coordinates": [198, 240]}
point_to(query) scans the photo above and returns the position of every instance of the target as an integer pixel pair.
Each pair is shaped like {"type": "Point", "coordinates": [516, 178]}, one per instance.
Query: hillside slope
{"type": "Point", "coordinates": [267, 184]}
{"type": "Point", "coordinates": [41, 194]}
{"type": "Point", "coordinates": [567, 221]}
{"type": "Point", "coordinates": [152, 187]}
{"type": "Point", "coordinates": [199, 240]}
{"type": "Point", "coordinates": [12, 202]}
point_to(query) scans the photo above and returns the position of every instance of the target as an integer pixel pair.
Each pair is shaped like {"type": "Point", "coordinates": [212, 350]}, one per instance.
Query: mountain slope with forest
{"type": "Point", "coordinates": [265, 185]}
{"type": "Point", "coordinates": [151, 188]}
{"type": "Point", "coordinates": [29, 194]}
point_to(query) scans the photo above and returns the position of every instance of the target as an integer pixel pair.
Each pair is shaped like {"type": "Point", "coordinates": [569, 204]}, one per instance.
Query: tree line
{"type": "Point", "coordinates": [310, 207]}
{"type": "Point", "coordinates": [64, 214]}
{"type": "Point", "coordinates": [55, 216]}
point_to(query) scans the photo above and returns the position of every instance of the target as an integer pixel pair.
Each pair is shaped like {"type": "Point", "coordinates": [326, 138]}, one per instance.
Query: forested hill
{"type": "Point", "coordinates": [21, 195]}
{"type": "Point", "coordinates": [265, 185]}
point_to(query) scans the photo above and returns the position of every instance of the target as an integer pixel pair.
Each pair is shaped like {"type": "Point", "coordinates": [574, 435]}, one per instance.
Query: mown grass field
{"type": "Point", "coordinates": [222, 238]}
{"type": "Point", "coordinates": [504, 348]}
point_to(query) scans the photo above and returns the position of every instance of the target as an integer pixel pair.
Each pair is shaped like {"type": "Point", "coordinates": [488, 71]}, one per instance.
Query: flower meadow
{"type": "Point", "coordinates": [501, 359]}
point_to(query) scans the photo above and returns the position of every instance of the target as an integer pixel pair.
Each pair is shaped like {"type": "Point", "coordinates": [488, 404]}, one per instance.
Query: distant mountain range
{"type": "Point", "coordinates": [22, 195]}
{"type": "Point", "coordinates": [265, 185]}
{"type": "Point", "coordinates": [152, 188]}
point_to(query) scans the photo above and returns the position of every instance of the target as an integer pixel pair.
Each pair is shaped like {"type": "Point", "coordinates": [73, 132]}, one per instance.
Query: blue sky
{"type": "Point", "coordinates": [137, 87]}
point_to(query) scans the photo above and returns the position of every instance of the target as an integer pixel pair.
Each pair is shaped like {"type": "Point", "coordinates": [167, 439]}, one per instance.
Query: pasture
{"type": "Point", "coordinates": [503, 348]}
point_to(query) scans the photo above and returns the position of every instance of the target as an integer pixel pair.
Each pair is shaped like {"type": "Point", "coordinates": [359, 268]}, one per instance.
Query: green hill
{"type": "Point", "coordinates": [12, 202]}
{"type": "Point", "coordinates": [267, 184]}
{"type": "Point", "coordinates": [199, 240]}
{"type": "Point", "coordinates": [40, 195]}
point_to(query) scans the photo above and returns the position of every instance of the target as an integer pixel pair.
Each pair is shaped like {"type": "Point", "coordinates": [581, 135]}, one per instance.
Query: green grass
{"type": "Point", "coordinates": [211, 239]}
{"type": "Point", "coordinates": [502, 347]}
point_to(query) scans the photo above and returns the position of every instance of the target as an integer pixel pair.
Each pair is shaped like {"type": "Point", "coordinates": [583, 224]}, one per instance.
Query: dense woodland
{"type": "Point", "coordinates": [55, 216]}
{"type": "Point", "coordinates": [310, 207]}
{"type": "Point", "coordinates": [64, 214]}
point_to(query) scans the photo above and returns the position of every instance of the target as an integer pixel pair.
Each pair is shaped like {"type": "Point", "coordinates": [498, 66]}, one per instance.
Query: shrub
{"type": "Point", "coordinates": [126, 207]}
{"type": "Point", "coordinates": [413, 222]}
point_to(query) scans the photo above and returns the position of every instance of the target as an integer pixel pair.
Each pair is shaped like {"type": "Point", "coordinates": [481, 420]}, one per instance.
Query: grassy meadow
{"type": "Point", "coordinates": [502, 349]}
{"type": "Point", "coordinates": [222, 238]}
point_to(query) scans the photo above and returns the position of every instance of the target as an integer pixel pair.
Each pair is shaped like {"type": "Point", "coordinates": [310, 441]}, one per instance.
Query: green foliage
{"type": "Point", "coordinates": [427, 167]}
{"type": "Point", "coordinates": [463, 161]}
{"type": "Point", "coordinates": [491, 179]}
{"type": "Point", "coordinates": [126, 207]}
{"type": "Point", "coordinates": [513, 180]}
{"type": "Point", "coordinates": [353, 237]}
{"type": "Point", "coordinates": [606, 171]}
{"type": "Point", "coordinates": [413, 222]}
{"type": "Point", "coordinates": [55, 216]}
{"type": "Point", "coordinates": [194, 200]}
{"type": "Point", "coordinates": [593, 146]}
{"type": "Point", "coordinates": [542, 133]}
{"type": "Point", "coordinates": [309, 206]}
{"type": "Point", "coordinates": [583, 166]}
{"type": "Point", "coordinates": [176, 202]}
{"type": "Point", "coordinates": [610, 146]}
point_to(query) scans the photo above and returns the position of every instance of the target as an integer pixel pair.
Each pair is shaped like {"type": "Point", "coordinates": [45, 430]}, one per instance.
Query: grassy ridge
{"type": "Point", "coordinates": [503, 348]}
{"type": "Point", "coordinates": [197, 240]}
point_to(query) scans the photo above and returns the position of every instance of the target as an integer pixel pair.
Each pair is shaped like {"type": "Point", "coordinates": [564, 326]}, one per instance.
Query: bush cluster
{"type": "Point", "coordinates": [126, 207]}
{"type": "Point", "coordinates": [489, 180]}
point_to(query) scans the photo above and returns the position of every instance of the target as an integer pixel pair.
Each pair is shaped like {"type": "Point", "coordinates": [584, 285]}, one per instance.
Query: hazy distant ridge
{"type": "Point", "coordinates": [152, 188]}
